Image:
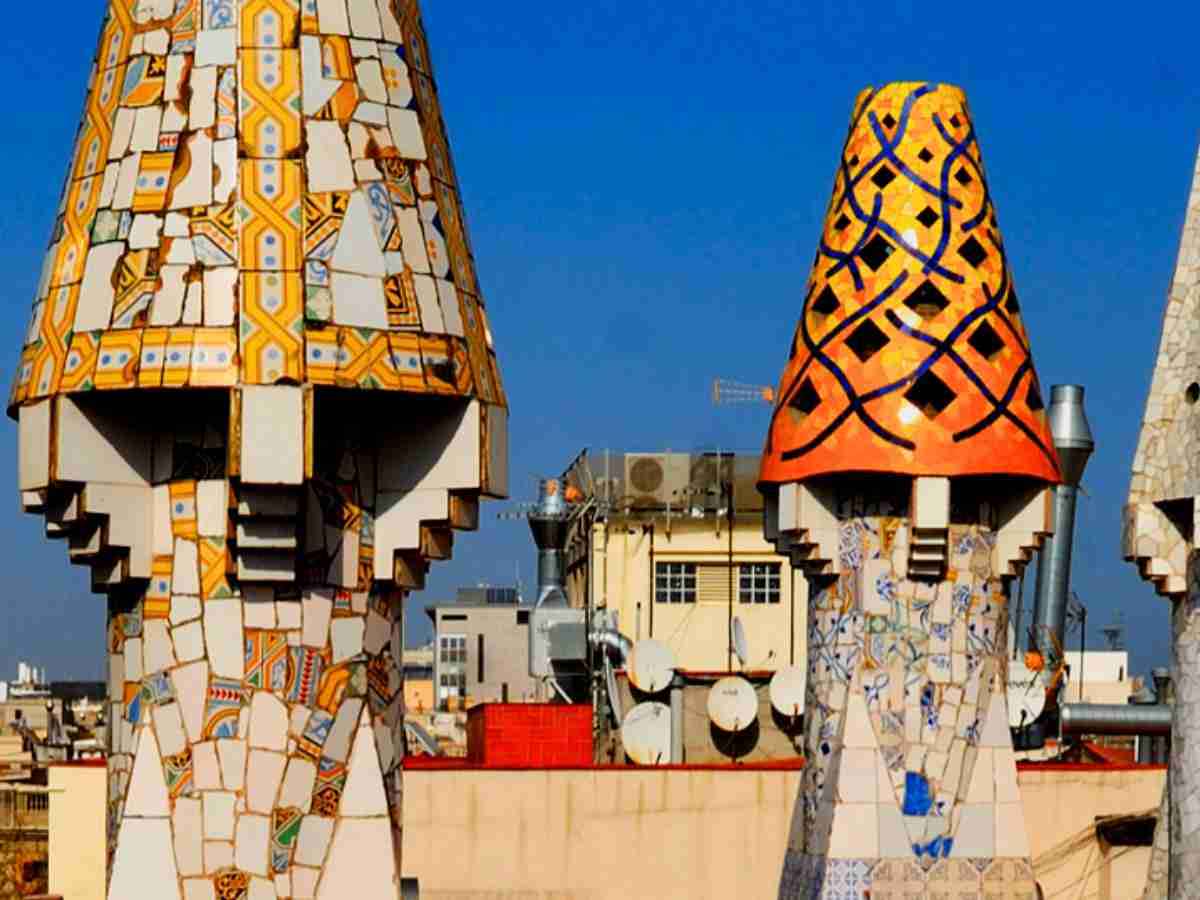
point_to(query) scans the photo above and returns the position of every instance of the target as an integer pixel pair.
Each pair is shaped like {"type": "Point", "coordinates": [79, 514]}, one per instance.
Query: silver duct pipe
{"type": "Point", "coordinates": [614, 642]}
{"type": "Point", "coordinates": [1102, 718]}
{"type": "Point", "coordinates": [548, 522]}
{"type": "Point", "coordinates": [1074, 443]}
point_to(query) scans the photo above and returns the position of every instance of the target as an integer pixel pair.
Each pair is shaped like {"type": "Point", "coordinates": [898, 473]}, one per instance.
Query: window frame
{"type": "Point", "coordinates": [676, 583]}
{"type": "Point", "coordinates": [760, 584]}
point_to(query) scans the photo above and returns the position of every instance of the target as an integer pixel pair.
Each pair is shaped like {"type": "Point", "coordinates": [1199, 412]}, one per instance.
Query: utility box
{"type": "Point", "coordinates": [556, 637]}
{"type": "Point", "coordinates": [529, 736]}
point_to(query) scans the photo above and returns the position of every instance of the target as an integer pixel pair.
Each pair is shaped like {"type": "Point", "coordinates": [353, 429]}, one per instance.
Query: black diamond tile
{"type": "Point", "coordinates": [853, 161]}
{"type": "Point", "coordinates": [1012, 304]}
{"type": "Point", "coordinates": [962, 176]}
{"type": "Point", "coordinates": [930, 395]}
{"type": "Point", "coordinates": [888, 121]}
{"type": "Point", "coordinates": [883, 177]}
{"type": "Point", "coordinates": [955, 121]}
{"type": "Point", "coordinates": [972, 251]}
{"type": "Point", "coordinates": [826, 302]}
{"type": "Point", "coordinates": [805, 400]}
{"type": "Point", "coordinates": [866, 340]}
{"type": "Point", "coordinates": [842, 223]}
{"type": "Point", "coordinates": [927, 301]}
{"type": "Point", "coordinates": [927, 217]}
{"type": "Point", "coordinates": [925, 155]}
{"type": "Point", "coordinates": [1033, 397]}
{"type": "Point", "coordinates": [986, 342]}
{"type": "Point", "coordinates": [876, 252]}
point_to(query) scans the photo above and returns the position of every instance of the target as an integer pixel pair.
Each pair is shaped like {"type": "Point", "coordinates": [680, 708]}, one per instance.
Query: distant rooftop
{"type": "Point", "coordinates": [479, 598]}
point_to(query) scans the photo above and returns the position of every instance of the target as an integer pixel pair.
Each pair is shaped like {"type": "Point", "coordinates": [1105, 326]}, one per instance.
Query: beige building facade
{"type": "Point", "coordinates": [673, 545]}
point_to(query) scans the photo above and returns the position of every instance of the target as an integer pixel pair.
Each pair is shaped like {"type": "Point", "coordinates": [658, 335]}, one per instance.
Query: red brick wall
{"type": "Point", "coordinates": [529, 735]}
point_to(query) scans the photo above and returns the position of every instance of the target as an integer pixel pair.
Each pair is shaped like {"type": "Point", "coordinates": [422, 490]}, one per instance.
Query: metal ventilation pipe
{"type": "Point", "coordinates": [548, 522]}
{"type": "Point", "coordinates": [1074, 443]}
{"type": "Point", "coordinates": [1103, 718]}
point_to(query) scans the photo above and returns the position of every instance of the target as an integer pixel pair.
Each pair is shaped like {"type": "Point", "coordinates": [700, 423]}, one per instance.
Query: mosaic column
{"type": "Point", "coordinates": [909, 471]}
{"type": "Point", "coordinates": [257, 397]}
{"type": "Point", "coordinates": [1160, 537]}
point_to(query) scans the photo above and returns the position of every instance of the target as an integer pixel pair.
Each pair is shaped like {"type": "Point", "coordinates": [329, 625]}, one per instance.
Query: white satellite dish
{"type": "Point", "coordinates": [646, 734]}
{"type": "Point", "coordinates": [737, 639]}
{"type": "Point", "coordinates": [1025, 703]}
{"type": "Point", "coordinates": [651, 666]}
{"type": "Point", "coordinates": [787, 691]}
{"type": "Point", "coordinates": [732, 704]}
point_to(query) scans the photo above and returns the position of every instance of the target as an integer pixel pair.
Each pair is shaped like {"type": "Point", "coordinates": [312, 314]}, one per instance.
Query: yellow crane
{"type": "Point", "coordinates": [725, 392]}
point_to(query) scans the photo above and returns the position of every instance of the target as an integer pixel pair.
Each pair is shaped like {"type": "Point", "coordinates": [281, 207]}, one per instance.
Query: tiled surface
{"type": "Point", "coordinates": [261, 201]}
{"type": "Point", "coordinates": [812, 878]}
{"type": "Point", "coordinates": [296, 143]}
{"type": "Point", "coordinates": [910, 341]}
{"type": "Point", "coordinates": [261, 744]}
{"type": "Point", "coordinates": [910, 758]}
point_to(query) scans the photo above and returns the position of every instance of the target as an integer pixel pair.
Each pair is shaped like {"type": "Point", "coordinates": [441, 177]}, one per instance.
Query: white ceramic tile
{"type": "Point", "coordinates": [311, 845]}
{"type": "Point", "coordinates": [429, 304]}
{"type": "Point", "coordinates": [147, 788]}
{"type": "Point", "coordinates": [412, 239]}
{"type": "Point", "coordinates": [145, 232]}
{"type": "Point", "coordinates": [133, 659]}
{"type": "Point", "coordinates": [268, 722]}
{"type": "Point", "coordinates": [318, 607]}
{"type": "Point", "coordinates": [94, 309]}
{"type": "Point", "coordinates": [272, 435]}
{"type": "Point", "coordinates": [144, 864]}
{"type": "Point", "coordinates": [206, 771]}
{"type": "Point", "coordinates": [223, 637]}
{"type": "Point", "coordinates": [1011, 839]}
{"type": "Point", "coordinates": [369, 76]}
{"type": "Point", "coordinates": [196, 186]}
{"type": "Point", "coordinates": [167, 307]}
{"type": "Point", "coordinates": [188, 825]}
{"type": "Point", "coordinates": [157, 651]}
{"type": "Point", "coordinates": [218, 856]}
{"type": "Point", "coordinates": [251, 844]}
{"type": "Point", "coordinates": [203, 111]}
{"type": "Point", "coordinates": [298, 782]}
{"type": "Point", "coordinates": [261, 889]}
{"type": "Point", "coordinates": [371, 113]}
{"type": "Point", "coordinates": [975, 835]}
{"type": "Point", "coordinates": [189, 638]}
{"type": "Point", "coordinates": [318, 90]}
{"type": "Point", "coordinates": [216, 47]}
{"type": "Point", "coordinates": [220, 304]}
{"type": "Point", "coordinates": [304, 883]}
{"type": "Point", "coordinates": [358, 249]}
{"type": "Point", "coordinates": [406, 133]}
{"type": "Point", "coordinates": [225, 169]}
{"type": "Point", "coordinates": [212, 502]}
{"type": "Point", "coordinates": [391, 26]}
{"type": "Point", "coordinates": [332, 17]}
{"type": "Point", "coordinates": [364, 19]}
{"type": "Point", "coordinates": [347, 637]}
{"type": "Point", "coordinates": [122, 133]}
{"type": "Point", "coordinates": [329, 166]}
{"type": "Point", "coordinates": [263, 777]}
{"type": "Point", "coordinates": [168, 722]}
{"type": "Point", "coordinates": [127, 181]}
{"type": "Point", "coordinates": [1005, 768]}
{"type": "Point", "coordinates": [856, 777]}
{"type": "Point", "coordinates": [363, 794]}
{"type": "Point", "coordinates": [146, 125]}
{"type": "Point", "coordinates": [232, 754]}
{"type": "Point", "coordinates": [337, 743]}
{"type": "Point", "coordinates": [360, 862]}
{"type": "Point", "coordinates": [219, 810]}
{"type": "Point", "coordinates": [298, 720]}
{"type": "Point", "coordinates": [259, 614]}
{"type": "Point", "coordinates": [199, 888]}
{"type": "Point", "coordinates": [191, 688]}
{"type": "Point", "coordinates": [185, 572]}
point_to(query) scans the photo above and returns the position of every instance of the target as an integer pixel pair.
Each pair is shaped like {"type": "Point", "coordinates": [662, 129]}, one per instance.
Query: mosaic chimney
{"type": "Point", "coordinates": [909, 471]}
{"type": "Point", "coordinates": [257, 397]}
{"type": "Point", "coordinates": [1160, 536]}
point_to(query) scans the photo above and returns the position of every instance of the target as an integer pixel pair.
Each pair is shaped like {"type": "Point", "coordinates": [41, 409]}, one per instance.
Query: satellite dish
{"type": "Point", "coordinates": [651, 666]}
{"type": "Point", "coordinates": [787, 691]}
{"type": "Point", "coordinates": [1025, 703]}
{"type": "Point", "coordinates": [732, 704]}
{"type": "Point", "coordinates": [646, 734]}
{"type": "Point", "coordinates": [738, 641]}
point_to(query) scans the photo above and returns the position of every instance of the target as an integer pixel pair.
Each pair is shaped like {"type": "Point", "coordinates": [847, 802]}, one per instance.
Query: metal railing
{"type": "Point", "coordinates": [24, 808]}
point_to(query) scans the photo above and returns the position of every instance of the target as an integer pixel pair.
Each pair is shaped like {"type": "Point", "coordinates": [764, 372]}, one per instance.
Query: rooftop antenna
{"type": "Point", "coordinates": [1114, 634]}
{"type": "Point", "coordinates": [737, 643]}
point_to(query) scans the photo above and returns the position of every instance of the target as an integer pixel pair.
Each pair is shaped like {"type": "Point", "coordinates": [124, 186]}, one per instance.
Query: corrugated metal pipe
{"type": "Point", "coordinates": [1073, 441]}
{"type": "Point", "coordinates": [1102, 718]}
{"type": "Point", "coordinates": [549, 522]}
{"type": "Point", "coordinates": [614, 642]}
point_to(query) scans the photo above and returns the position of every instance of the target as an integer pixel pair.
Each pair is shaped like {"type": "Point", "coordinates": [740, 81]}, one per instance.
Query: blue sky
{"type": "Point", "coordinates": [645, 187]}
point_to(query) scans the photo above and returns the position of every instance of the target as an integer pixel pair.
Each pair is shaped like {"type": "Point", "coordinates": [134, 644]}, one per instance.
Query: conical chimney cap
{"type": "Point", "coordinates": [261, 192]}
{"type": "Point", "coordinates": [911, 356]}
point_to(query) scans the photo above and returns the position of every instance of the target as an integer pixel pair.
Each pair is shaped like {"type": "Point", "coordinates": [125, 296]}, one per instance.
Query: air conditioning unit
{"type": "Point", "coordinates": [656, 480]}
{"type": "Point", "coordinates": [710, 472]}
{"type": "Point", "coordinates": [557, 640]}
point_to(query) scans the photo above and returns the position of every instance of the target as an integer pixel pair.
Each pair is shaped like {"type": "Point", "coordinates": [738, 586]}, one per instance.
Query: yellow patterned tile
{"type": "Point", "coordinates": [321, 355]}
{"type": "Point", "coordinates": [272, 323]}
{"type": "Point", "coordinates": [271, 217]}
{"type": "Point", "coordinates": [214, 358]}
{"type": "Point", "coordinates": [154, 178]}
{"type": "Point", "coordinates": [270, 103]}
{"type": "Point", "coordinates": [177, 366]}
{"type": "Point", "coordinates": [154, 355]}
{"type": "Point", "coordinates": [270, 24]}
{"type": "Point", "coordinates": [116, 367]}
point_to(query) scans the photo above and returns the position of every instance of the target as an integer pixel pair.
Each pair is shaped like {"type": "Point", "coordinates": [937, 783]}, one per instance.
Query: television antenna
{"type": "Point", "coordinates": [1114, 634]}
{"type": "Point", "coordinates": [726, 393]}
{"type": "Point", "coordinates": [737, 641]}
